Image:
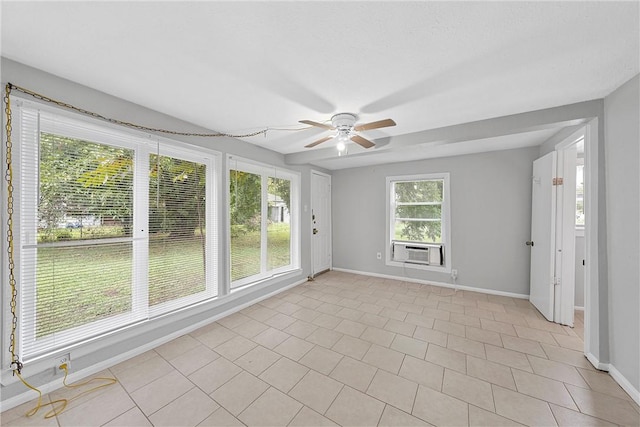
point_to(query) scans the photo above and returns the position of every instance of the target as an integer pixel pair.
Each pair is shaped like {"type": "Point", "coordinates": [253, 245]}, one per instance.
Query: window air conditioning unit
{"type": "Point", "coordinates": [417, 253]}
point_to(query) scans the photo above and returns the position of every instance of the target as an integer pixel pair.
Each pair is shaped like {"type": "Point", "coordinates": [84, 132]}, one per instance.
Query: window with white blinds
{"type": "Point", "coordinates": [115, 228]}
{"type": "Point", "coordinates": [264, 221]}
{"type": "Point", "coordinates": [178, 257]}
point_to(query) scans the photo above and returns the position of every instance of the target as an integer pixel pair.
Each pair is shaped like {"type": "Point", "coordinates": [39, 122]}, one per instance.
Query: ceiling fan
{"type": "Point", "coordinates": [345, 124]}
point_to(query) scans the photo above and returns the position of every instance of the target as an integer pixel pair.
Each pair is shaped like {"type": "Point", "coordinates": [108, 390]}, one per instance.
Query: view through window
{"type": "Point", "coordinates": [114, 228]}
{"type": "Point", "coordinates": [263, 221]}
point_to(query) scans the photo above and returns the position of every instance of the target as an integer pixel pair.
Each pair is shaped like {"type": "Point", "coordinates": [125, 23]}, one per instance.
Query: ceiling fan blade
{"type": "Point", "coordinates": [362, 141]}
{"type": "Point", "coordinates": [320, 125]}
{"type": "Point", "coordinates": [375, 125]}
{"type": "Point", "coordinates": [320, 141]}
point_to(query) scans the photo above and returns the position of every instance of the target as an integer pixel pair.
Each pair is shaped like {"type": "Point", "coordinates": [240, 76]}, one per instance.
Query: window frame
{"type": "Point", "coordinates": [445, 227]}
{"type": "Point", "coordinates": [265, 171]}
{"type": "Point", "coordinates": [73, 125]}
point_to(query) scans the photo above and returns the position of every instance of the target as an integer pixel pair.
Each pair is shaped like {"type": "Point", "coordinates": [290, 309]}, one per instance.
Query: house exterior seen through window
{"type": "Point", "coordinates": [115, 227]}
{"type": "Point", "coordinates": [263, 221]}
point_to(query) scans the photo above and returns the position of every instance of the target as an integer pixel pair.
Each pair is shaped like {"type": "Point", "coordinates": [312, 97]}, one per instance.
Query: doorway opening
{"type": "Point", "coordinates": [563, 231]}
{"type": "Point", "coordinates": [570, 220]}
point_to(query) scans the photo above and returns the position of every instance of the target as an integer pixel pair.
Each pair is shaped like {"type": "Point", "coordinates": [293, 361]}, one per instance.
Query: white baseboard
{"type": "Point", "coordinates": [431, 282]}
{"type": "Point", "coordinates": [596, 362]}
{"type": "Point", "coordinates": [578, 308]}
{"type": "Point", "coordinates": [29, 395]}
{"type": "Point", "coordinates": [625, 384]}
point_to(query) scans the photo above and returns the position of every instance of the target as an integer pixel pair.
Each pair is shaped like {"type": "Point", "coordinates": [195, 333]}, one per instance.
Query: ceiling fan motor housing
{"type": "Point", "coordinates": [344, 122]}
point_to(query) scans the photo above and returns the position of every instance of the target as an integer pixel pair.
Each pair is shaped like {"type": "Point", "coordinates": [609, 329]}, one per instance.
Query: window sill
{"type": "Point", "coordinates": [268, 280]}
{"type": "Point", "coordinates": [424, 267]}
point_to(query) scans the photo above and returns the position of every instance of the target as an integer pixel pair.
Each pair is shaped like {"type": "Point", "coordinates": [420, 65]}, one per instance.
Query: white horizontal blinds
{"type": "Point", "coordinates": [177, 230]}
{"type": "Point", "coordinates": [114, 229]}
{"type": "Point", "coordinates": [76, 258]}
{"type": "Point", "coordinates": [245, 213]}
{"type": "Point", "coordinates": [279, 223]}
{"type": "Point", "coordinates": [418, 210]}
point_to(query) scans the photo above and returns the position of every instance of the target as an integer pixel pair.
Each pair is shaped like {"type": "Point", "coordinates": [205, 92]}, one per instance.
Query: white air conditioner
{"type": "Point", "coordinates": [417, 253]}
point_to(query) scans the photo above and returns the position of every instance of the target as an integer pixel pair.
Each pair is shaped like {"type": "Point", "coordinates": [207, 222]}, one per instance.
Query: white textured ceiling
{"type": "Point", "coordinates": [237, 67]}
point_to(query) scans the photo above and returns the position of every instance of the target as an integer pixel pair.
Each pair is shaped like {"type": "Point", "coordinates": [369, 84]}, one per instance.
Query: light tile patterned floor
{"type": "Point", "coordinates": [356, 350]}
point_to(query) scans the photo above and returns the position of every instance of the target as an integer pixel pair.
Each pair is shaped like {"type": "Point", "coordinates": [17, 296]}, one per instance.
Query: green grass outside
{"type": "Point", "coordinates": [245, 250]}
{"type": "Point", "coordinates": [79, 285]}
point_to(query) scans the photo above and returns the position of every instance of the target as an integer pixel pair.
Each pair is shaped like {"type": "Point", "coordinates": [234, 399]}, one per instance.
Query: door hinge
{"type": "Point", "coordinates": [557, 181]}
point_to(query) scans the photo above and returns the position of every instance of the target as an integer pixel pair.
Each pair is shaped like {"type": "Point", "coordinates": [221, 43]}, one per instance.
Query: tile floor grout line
{"type": "Point", "coordinates": [252, 402]}
{"type": "Point", "coordinates": [348, 290]}
{"type": "Point", "coordinates": [132, 399]}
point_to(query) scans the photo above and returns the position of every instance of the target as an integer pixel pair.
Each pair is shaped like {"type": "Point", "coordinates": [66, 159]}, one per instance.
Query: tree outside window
{"type": "Point", "coordinates": [418, 210]}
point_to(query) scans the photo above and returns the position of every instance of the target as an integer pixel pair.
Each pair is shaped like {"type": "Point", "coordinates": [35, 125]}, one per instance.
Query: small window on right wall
{"type": "Point", "coordinates": [580, 194]}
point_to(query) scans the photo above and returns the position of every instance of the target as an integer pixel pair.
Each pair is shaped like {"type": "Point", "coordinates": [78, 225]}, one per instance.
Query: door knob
{"type": "Point", "coordinates": [529, 243]}
{"type": "Point", "coordinates": [315, 231]}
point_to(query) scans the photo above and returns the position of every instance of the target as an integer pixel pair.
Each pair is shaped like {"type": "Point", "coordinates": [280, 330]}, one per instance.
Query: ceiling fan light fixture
{"type": "Point", "coordinates": [341, 146]}
{"type": "Point", "coordinates": [345, 125]}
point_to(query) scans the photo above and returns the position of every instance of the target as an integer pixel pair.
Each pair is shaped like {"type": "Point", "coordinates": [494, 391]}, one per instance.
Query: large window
{"type": "Point", "coordinates": [114, 228]}
{"type": "Point", "coordinates": [263, 217]}
{"type": "Point", "coordinates": [419, 211]}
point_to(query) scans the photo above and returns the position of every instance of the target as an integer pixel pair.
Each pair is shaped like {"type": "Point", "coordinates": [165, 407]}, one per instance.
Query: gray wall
{"type": "Point", "coordinates": [622, 154]}
{"type": "Point", "coordinates": [490, 218]}
{"type": "Point", "coordinates": [110, 106]}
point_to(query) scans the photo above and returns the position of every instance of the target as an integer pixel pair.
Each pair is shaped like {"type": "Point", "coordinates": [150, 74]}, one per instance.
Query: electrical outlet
{"type": "Point", "coordinates": [454, 273]}
{"type": "Point", "coordinates": [63, 359]}
{"type": "Point", "coordinates": [379, 255]}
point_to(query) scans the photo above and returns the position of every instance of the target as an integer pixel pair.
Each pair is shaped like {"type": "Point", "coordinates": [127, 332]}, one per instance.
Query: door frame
{"type": "Point", "coordinates": [329, 225]}
{"type": "Point", "coordinates": [592, 287]}
{"type": "Point", "coordinates": [591, 237]}
{"type": "Point", "coordinates": [565, 228]}
{"type": "Point", "coordinates": [595, 297]}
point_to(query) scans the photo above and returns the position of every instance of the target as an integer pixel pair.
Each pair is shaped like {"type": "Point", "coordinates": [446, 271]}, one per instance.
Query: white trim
{"type": "Point", "coordinates": [578, 308]}
{"type": "Point", "coordinates": [591, 239]}
{"type": "Point", "coordinates": [95, 368]}
{"type": "Point", "coordinates": [434, 283]}
{"type": "Point", "coordinates": [596, 363]}
{"type": "Point", "coordinates": [625, 384]}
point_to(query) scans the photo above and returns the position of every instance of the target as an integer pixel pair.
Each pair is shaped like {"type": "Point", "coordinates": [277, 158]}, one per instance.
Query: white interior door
{"type": "Point", "coordinates": [542, 243]}
{"type": "Point", "coordinates": [320, 222]}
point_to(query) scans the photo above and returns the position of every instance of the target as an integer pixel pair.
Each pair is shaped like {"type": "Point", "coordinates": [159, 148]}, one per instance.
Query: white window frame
{"type": "Point", "coordinates": [265, 171]}
{"type": "Point", "coordinates": [445, 220]}
{"type": "Point", "coordinates": [77, 126]}
{"type": "Point", "coordinates": [211, 221]}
